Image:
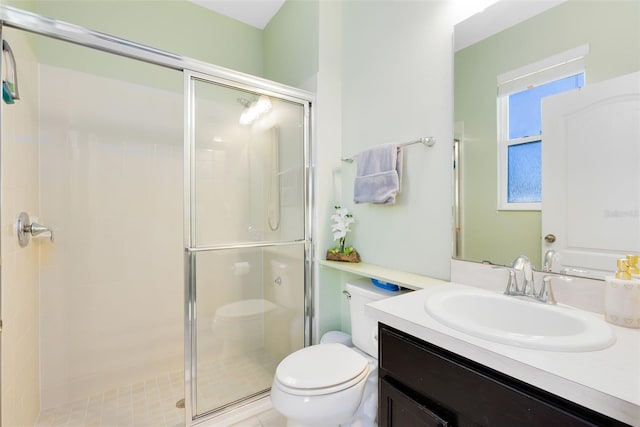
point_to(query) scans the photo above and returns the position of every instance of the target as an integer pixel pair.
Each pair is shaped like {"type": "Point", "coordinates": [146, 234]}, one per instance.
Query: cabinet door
{"type": "Point", "coordinates": [399, 410]}
{"type": "Point", "coordinates": [474, 394]}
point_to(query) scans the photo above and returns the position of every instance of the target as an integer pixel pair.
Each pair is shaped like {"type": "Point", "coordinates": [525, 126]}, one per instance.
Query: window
{"type": "Point", "coordinates": [520, 93]}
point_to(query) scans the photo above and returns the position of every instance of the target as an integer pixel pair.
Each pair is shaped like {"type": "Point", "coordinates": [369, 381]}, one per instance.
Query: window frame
{"type": "Point", "coordinates": [503, 179]}
{"type": "Point", "coordinates": [556, 67]}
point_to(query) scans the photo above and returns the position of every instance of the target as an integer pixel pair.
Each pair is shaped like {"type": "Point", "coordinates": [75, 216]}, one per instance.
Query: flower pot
{"type": "Point", "coordinates": [341, 256]}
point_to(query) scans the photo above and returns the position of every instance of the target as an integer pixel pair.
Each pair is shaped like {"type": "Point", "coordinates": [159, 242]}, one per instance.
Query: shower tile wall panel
{"type": "Point", "coordinates": [287, 266]}
{"type": "Point", "coordinates": [222, 193]}
{"type": "Point", "coordinates": [240, 171]}
{"type": "Point", "coordinates": [222, 173]}
{"type": "Point", "coordinates": [19, 369]}
{"type": "Point", "coordinates": [111, 181]}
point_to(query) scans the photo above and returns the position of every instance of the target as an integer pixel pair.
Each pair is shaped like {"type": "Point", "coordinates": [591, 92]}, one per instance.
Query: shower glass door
{"type": "Point", "coordinates": [246, 239]}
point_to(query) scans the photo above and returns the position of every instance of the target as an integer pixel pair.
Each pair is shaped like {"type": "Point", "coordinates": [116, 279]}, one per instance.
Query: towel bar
{"type": "Point", "coordinates": [427, 141]}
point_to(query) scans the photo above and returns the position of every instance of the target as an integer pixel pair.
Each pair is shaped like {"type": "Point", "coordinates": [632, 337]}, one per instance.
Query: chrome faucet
{"type": "Point", "coordinates": [523, 264]}
{"type": "Point", "coordinates": [528, 289]}
{"type": "Point", "coordinates": [546, 292]}
{"type": "Point", "coordinates": [549, 257]}
{"type": "Point", "coordinates": [512, 284]}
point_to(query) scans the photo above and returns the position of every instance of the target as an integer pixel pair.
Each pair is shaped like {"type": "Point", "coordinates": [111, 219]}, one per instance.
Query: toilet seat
{"type": "Point", "coordinates": [321, 369]}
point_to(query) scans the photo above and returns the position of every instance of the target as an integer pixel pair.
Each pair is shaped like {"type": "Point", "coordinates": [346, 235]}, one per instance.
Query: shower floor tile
{"type": "Point", "coordinates": [269, 418]}
{"type": "Point", "coordinates": [222, 382]}
{"type": "Point", "coordinates": [152, 402]}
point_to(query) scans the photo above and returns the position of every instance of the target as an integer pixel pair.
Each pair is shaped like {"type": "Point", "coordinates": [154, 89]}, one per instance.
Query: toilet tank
{"type": "Point", "coordinates": [364, 329]}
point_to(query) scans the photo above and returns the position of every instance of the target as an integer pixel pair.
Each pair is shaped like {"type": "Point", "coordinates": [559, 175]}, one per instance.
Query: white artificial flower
{"type": "Point", "coordinates": [342, 220]}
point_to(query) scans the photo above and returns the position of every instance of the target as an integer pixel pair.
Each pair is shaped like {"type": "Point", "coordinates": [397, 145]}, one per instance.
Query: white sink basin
{"type": "Point", "coordinates": [518, 322]}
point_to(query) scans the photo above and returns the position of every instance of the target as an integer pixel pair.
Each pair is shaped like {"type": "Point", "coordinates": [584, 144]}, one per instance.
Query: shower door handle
{"type": "Point", "coordinates": [25, 229]}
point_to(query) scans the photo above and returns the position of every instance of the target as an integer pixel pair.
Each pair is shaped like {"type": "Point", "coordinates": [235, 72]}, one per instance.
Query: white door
{"type": "Point", "coordinates": [591, 176]}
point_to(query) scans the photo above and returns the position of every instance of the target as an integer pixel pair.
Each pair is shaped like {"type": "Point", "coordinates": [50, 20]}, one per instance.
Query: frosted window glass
{"type": "Point", "coordinates": [524, 107]}
{"type": "Point", "coordinates": [524, 170]}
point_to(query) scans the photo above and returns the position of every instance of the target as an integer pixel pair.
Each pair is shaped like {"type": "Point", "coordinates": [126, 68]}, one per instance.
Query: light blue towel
{"type": "Point", "coordinates": [378, 177]}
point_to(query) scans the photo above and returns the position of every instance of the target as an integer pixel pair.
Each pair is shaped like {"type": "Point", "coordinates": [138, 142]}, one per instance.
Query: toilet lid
{"type": "Point", "coordinates": [245, 308]}
{"type": "Point", "coordinates": [321, 369]}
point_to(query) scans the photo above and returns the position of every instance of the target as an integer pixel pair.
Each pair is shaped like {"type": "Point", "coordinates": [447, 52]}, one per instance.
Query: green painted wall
{"type": "Point", "coordinates": [291, 43]}
{"type": "Point", "coordinates": [176, 26]}
{"type": "Point", "coordinates": [612, 30]}
{"type": "Point", "coordinates": [396, 87]}
{"type": "Point", "coordinates": [286, 51]}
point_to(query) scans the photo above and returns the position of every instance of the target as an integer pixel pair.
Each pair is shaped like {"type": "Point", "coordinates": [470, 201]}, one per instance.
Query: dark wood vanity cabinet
{"type": "Point", "coordinates": [421, 384]}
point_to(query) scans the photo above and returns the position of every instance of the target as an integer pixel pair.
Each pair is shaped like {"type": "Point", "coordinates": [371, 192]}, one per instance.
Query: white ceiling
{"type": "Point", "coordinates": [497, 17]}
{"type": "Point", "coordinates": [493, 19]}
{"type": "Point", "coordinates": [257, 13]}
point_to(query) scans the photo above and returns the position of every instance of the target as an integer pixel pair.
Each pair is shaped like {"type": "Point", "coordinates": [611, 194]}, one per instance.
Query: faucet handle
{"type": "Point", "coordinates": [546, 291]}
{"type": "Point", "coordinates": [25, 229]}
{"type": "Point", "coordinates": [37, 229]}
{"type": "Point", "coordinates": [529, 286]}
{"type": "Point", "coordinates": [512, 285]}
{"type": "Point", "coordinates": [522, 263]}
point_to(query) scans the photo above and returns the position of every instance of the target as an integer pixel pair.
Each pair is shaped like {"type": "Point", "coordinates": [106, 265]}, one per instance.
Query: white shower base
{"type": "Point", "coordinates": [153, 402]}
{"type": "Point", "coordinates": [148, 403]}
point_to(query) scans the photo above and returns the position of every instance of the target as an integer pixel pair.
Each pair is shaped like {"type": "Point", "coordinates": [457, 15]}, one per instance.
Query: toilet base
{"type": "Point", "coordinates": [364, 395]}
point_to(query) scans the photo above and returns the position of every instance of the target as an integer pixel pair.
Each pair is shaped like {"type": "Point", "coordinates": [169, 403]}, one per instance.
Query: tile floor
{"type": "Point", "coordinates": [270, 418]}
{"type": "Point", "coordinates": [234, 377]}
{"type": "Point", "coordinates": [152, 403]}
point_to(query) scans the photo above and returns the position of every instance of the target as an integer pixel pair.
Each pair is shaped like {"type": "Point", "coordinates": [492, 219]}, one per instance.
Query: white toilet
{"type": "Point", "coordinates": [331, 384]}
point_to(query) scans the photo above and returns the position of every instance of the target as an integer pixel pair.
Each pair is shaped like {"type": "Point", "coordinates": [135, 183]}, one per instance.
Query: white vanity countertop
{"type": "Point", "coordinates": [607, 381]}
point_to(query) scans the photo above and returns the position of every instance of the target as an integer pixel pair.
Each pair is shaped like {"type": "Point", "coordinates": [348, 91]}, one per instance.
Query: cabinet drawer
{"type": "Point", "coordinates": [399, 409]}
{"type": "Point", "coordinates": [476, 394]}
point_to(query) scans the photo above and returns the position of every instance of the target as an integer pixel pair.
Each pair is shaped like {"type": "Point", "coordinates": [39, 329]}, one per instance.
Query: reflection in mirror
{"type": "Point", "coordinates": [595, 44]}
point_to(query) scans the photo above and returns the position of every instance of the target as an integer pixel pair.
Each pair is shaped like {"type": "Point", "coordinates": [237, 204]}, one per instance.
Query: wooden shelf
{"type": "Point", "coordinates": [401, 278]}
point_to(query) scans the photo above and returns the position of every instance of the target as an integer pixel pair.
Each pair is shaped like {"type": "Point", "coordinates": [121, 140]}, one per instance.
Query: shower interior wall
{"type": "Point", "coordinates": [106, 296]}
{"type": "Point", "coordinates": [100, 160]}
{"type": "Point", "coordinates": [111, 187]}
{"type": "Point", "coordinates": [20, 292]}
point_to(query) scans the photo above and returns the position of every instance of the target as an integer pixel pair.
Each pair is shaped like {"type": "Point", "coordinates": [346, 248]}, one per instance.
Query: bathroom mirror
{"type": "Point", "coordinates": [492, 48]}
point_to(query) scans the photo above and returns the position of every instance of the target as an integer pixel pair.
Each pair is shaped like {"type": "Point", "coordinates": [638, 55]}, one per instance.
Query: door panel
{"type": "Point", "coordinates": [249, 317]}
{"type": "Point", "coordinates": [247, 240]}
{"type": "Point", "coordinates": [248, 176]}
{"type": "Point", "coordinates": [594, 215]}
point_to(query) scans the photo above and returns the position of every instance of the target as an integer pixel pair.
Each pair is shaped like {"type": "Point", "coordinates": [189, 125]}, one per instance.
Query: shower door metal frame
{"type": "Point", "coordinates": [191, 248]}
{"type": "Point", "coordinates": [31, 22]}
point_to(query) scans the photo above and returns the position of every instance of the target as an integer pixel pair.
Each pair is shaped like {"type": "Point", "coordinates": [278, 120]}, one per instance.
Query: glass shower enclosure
{"type": "Point", "coordinates": [179, 194]}
{"type": "Point", "coordinates": [246, 237]}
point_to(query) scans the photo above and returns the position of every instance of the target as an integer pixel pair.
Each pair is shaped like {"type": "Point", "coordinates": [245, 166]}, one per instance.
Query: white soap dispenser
{"type": "Point", "coordinates": [622, 297]}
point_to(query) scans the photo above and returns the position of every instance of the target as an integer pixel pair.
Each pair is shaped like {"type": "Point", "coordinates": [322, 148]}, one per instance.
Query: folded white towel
{"type": "Point", "coordinates": [379, 175]}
